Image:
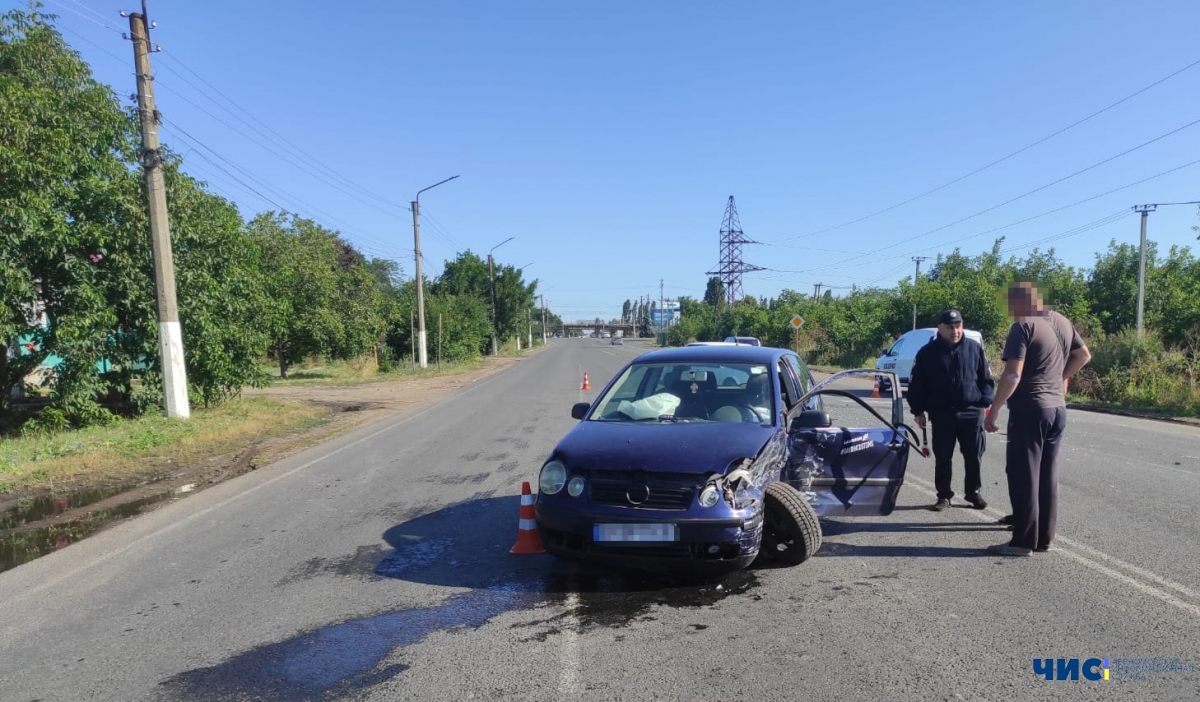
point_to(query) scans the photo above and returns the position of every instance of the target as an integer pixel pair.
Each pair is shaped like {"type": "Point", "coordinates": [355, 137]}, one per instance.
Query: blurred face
{"type": "Point", "coordinates": [1023, 300]}
{"type": "Point", "coordinates": [952, 333]}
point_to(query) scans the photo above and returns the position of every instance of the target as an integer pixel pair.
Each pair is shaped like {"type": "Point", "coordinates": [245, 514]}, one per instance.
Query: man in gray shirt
{"type": "Point", "coordinates": [1041, 353]}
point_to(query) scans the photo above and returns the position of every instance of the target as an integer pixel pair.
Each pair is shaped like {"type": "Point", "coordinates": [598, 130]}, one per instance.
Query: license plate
{"type": "Point", "coordinates": [634, 533]}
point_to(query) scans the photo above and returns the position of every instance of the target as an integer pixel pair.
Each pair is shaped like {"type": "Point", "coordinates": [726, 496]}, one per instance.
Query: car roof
{"type": "Point", "coordinates": [710, 354]}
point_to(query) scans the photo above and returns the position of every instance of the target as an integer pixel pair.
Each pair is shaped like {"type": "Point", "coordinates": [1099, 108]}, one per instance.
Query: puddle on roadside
{"type": "Point", "coordinates": [23, 546]}
{"type": "Point", "coordinates": [34, 509]}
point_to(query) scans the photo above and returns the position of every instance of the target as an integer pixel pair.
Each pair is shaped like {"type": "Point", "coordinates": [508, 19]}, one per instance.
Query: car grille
{"type": "Point", "coordinates": [665, 490]}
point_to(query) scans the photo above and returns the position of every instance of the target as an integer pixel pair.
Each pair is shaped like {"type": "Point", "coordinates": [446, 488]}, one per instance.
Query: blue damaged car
{"type": "Point", "coordinates": [695, 461]}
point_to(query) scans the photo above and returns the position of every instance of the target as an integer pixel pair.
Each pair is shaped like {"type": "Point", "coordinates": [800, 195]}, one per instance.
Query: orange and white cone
{"type": "Point", "coordinates": [586, 385]}
{"type": "Point", "coordinates": [875, 392]}
{"type": "Point", "coordinates": [528, 541]}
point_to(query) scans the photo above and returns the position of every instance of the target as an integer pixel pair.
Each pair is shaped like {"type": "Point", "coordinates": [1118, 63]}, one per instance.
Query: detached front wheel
{"type": "Point", "coordinates": [791, 532]}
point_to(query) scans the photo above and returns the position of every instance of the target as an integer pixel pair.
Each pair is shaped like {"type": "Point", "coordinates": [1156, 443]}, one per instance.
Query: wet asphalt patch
{"type": "Point", "coordinates": [346, 657]}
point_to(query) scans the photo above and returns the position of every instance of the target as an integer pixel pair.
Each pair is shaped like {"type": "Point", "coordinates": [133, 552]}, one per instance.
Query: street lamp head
{"type": "Point", "coordinates": [418, 197]}
{"type": "Point", "coordinates": [501, 244]}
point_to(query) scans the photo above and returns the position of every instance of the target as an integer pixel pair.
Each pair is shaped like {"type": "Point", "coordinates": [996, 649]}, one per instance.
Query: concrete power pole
{"type": "Point", "coordinates": [661, 319]}
{"type": "Point", "coordinates": [543, 320]}
{"type": "Point", "coordinates": [1141, 294]}
{"type": "Point", "coordinates": [416, 209]}
{"type": "Point", "coordinates": [170, 335]}
{"type": "Point", "coordinates": [916, 277]}
{"type": "Point", "coordinates": [492, 287]}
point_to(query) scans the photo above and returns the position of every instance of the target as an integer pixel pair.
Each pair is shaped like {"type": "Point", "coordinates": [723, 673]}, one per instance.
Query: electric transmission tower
{"type": "Point", "coordinates": [732, 266]}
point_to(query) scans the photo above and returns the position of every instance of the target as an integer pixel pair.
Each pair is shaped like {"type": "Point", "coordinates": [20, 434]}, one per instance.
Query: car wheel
{"type": "Point", "coordinates": [791, 532]}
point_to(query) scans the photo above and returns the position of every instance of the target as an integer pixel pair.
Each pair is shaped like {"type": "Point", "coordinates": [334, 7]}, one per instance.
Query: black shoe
{"type": "Point", "coordinates": [977, 501]}
{"type": "Point", "coordinates": [942, 503]}
{"type": "Point", "coordinates": [1005, 520]}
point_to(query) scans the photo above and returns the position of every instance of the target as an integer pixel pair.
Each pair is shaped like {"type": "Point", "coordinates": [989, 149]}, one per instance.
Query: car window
{"type": "Point", "coordinates": [799, 370]}
{"type": "Point", "coordinates": [895, 350]}
{"type": "Point", "coordinates": [787, 385]}
{"type": "Point", "coordinates": [690, 392]}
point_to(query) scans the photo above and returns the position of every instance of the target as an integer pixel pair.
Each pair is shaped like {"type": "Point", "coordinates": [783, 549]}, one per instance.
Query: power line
{"type": "Point", "coordinates": [124, 62]}
{"type": "Point", "coordinates": [79, 14]}
{"type": "Point", "coordinates": [1004, 158]}
{"type": "Point", "coordinates": [1047, 185]}
{"type": "Point", "coordinates": [266, 186]}
{"type": "Point", "coordinates": [303, 168]}
{"type": "Point", "coordinates": [315, 161]}
{"type": "Point", "coordinates": [860, 260]}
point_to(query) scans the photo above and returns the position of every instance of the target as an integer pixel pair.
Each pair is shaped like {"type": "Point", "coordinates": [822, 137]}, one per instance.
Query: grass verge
{"type": "Point", "coordinates": [134, 447]}
{"type": "Point", "coordinates": [365, 371]}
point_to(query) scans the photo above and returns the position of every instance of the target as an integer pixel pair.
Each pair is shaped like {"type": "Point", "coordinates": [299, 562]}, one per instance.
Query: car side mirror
{"type": "Point", "coordinates": [580, 409]}
{"type": "Point", "coordinates": [811, 419]}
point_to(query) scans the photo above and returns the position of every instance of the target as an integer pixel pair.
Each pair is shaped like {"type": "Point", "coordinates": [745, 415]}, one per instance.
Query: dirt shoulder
{"type": "Point", "coordinates": [55, 511]}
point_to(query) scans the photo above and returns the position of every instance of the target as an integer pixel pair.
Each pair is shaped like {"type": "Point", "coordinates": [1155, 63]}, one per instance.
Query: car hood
{"type": "Point", "coordinates": [661, 447]}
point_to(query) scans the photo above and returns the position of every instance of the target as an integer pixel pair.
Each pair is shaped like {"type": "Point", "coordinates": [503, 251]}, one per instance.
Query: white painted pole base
{"type": "Point", "coordinates": [421, 345]}
{"type": "Point", "coordinates": [175, 395]}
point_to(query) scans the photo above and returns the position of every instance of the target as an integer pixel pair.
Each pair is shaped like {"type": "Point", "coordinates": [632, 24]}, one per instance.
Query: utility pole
{"type": "Point", "coordinates": [170, 335]}
{"type": "Point", "coordinates": [916, 277]}
{"type": "Point", "coordinates": [1141, 295]}
{"type": "Point", "coordinates": [416, 210]}
{"type": "Point", "coordinates": [661, 318]}
{"type": "Point", "coordinates": [439, 341]}
{"type": "Point", "coordinates": [492, 285]}
{"type": "Point", "coordinates": [543, 320]}
{"type": "Point", "coordinates": [817, 291]}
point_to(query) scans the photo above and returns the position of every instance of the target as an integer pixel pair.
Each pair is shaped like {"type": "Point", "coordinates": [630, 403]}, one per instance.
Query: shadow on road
{"type": "Point", "coordinates": [830, 527]}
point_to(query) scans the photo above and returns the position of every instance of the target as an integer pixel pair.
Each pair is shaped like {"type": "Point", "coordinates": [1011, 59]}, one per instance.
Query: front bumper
{"type": "Point", "coordinates": [706, 546]}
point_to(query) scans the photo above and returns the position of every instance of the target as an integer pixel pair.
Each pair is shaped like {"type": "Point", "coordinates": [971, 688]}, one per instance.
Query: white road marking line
{"type": "Point", "coordinates": [74, 572]}
{"type": "Point", "coordinates": [568, 678]}
{"type": "Point", "coordinates": [1098, 567]}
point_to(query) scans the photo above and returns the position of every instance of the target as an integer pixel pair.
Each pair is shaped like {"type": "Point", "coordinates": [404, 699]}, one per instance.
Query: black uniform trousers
{"type": "Point", "coordinates": [964, 427]}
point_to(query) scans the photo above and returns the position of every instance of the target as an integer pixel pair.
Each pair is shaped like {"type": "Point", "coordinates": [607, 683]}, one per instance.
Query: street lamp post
{"type": "Point", "coordinates": [416, 210]}
{"type": "Point", "coordinates": [492, 279]}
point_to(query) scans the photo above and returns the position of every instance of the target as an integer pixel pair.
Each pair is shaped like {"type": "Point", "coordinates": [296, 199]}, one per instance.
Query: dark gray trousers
{"type": "Point", "coordinates": [1034, 438]}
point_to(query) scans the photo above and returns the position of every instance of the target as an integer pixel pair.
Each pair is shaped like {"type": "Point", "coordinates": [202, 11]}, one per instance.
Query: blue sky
{"type": "Point", "coordinates": [606, 137]}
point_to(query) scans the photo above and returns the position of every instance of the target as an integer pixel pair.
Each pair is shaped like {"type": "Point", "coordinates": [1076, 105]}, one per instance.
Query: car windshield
{"type": "Point", "coordinates": [690, 392]}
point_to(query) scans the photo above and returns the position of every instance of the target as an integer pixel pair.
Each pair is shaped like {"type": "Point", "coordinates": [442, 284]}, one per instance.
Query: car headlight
{"type": "Point", "coordinates": [552, 478]}
{"type": "Point", "coordinates": [575, 487]}
{"type": "Point", "coordinates": [709, 496]}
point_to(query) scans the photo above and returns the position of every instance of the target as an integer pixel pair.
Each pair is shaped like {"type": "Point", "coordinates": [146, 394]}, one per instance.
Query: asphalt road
{"type": "Point", "coordinates": [376, 567]}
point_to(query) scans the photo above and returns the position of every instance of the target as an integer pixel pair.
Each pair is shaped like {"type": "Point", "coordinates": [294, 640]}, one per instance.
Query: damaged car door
{"type": "Point", "coordinates": [848, 470]}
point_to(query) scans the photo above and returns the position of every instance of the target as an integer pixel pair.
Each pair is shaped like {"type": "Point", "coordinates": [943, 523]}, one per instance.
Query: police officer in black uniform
{"type": "Point", "coordinates": [951, 382]}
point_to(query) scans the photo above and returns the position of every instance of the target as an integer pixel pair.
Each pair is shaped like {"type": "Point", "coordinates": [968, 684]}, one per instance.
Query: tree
{"type": "Point", "coordinates": [66, 189]}
{"type": "Point", "coordinates": [714, 292]}
{"type": "Point", "coordinates": [325, 299]}
{"type": "Point", "coordinates": [626, 311]}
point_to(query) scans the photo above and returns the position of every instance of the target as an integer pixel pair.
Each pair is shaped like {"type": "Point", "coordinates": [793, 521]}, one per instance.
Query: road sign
{"type": "Point", "coordinates": [797, 321]}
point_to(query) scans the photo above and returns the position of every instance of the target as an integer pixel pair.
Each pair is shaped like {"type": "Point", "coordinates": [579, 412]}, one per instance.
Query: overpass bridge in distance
{"type": "Point", "coordinates": [594, 329]}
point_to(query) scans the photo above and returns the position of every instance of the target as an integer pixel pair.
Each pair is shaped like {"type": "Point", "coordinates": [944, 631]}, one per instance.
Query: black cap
{"type": "Point", "coordinates": [950, 316]}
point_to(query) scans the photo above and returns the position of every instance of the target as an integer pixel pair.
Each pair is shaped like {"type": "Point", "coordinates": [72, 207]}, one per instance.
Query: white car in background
{"type": "Point", "coordinates": [900, 357]}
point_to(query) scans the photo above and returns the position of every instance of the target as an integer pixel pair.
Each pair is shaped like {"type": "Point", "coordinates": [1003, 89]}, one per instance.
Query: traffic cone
{"type": "Point", "coordinates": [875, 392]}
{"type": "Point", "coordinates": [586, 386]}
{"type": "Point", "coordinates": [528, 541]}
